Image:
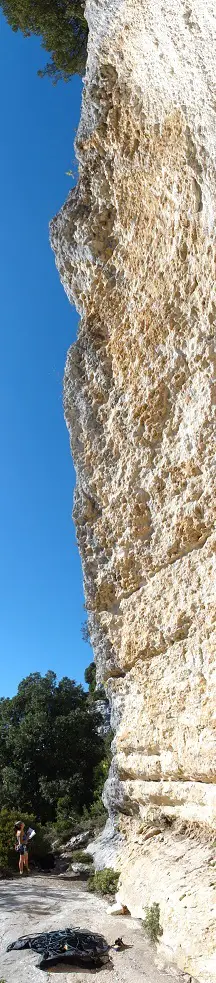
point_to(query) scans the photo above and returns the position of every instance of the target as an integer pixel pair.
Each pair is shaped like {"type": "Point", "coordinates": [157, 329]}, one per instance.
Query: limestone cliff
{"type": "Point", "coordinates": [134, 249]}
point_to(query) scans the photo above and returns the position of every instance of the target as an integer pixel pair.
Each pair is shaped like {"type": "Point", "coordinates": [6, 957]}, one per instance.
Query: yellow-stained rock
{"type": "Point", "coordinates": [134, 246]}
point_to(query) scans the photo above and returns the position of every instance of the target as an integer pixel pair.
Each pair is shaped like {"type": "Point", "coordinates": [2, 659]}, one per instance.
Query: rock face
{"type": "Point", "coordinates": [107, 846]}
{"type": "Point", "coordinates": [104, 709]}
{"type": "Point", "coordinates": [134, 249]}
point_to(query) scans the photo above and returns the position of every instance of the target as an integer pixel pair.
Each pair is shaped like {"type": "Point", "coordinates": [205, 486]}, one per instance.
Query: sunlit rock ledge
{"type": "Point", "coordinates": [134, 249]}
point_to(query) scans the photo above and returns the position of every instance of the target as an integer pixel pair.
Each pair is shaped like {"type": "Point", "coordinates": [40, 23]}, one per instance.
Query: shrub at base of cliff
{"type": "Point", "coordinates": [92, 820]}
{"type": "Point", "coordinates": [104, 881]}
{"type": "Point", "coordinates": [151, 923]}
{"type": "Point", "coordinates": [79, 857]}
{"type": "Point", "coordinates": [67, 824]}
{"type": "Point", "coordinates": [95, 818]}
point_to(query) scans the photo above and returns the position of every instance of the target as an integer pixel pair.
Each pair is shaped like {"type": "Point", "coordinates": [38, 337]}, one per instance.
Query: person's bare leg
{"type": "Point", "coordinates": [25, 858]}
{"type": "Point", "coordinates": [21, 863]}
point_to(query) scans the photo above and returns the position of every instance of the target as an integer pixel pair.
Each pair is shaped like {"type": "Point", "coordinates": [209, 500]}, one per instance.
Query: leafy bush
{"type": "Point", "coordinates": [97, 813]}
{"type": "Point", "coordinates": [67, 821]}
{"type": "Point", "coordinates": [79, 857]}
{"type": "Point", "coordinates": [151, 923]}
{"type": "Point", "coordinates": [90, 672]}
{"type": "Point", "coordinates": [96, 692]}
{"type": "Point", "coordinates": [92, 819]}
{"type": "Point", "coordinates": [104, 881]}
{"type": "Point", "coordinates": [39, 845]}
{"type": "Point", "coordinates": [102, 769]}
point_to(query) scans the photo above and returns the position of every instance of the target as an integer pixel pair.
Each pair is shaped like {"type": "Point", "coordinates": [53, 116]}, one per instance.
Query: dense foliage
{"type": "Point", "coordinates": [39, 845]}
{"type": "Point", "coordinates": [90, 677]}
{"type": "Point", "coordinates": [104, 881]}
{"type": "Point", "coordinates": [50, 749]}
{"type": "Point", "coordinates": [96, 692]}
{"type": "Point", "coordinates": [62, 27]}
{"type": "Point", "coordinates": [151, 923]}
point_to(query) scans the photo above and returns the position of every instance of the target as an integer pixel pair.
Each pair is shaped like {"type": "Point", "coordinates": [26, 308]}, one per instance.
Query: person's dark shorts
{"type": "Point", "coordinates": [22, 849]}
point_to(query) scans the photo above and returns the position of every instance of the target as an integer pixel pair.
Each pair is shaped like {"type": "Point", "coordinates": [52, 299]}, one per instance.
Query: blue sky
{"type": "Point", "coordinates": [41, 598]}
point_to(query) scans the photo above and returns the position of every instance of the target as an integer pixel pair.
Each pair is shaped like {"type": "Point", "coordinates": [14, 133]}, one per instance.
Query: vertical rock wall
{"type": "Point", "coordinates": [134, 246]}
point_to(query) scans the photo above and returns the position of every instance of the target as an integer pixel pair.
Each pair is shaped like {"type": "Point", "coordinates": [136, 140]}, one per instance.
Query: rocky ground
{"type": "Point", "coordinates": [46, 903]}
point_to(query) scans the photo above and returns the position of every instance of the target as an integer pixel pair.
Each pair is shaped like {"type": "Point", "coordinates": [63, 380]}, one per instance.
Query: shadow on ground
{"type": "Point", "coordinates": [24, 898]}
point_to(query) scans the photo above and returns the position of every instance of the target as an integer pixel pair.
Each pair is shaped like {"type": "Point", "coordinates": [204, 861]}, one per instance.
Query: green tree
{"type": "Point", "coordinates": [90, 677]}
{"type": "Point", "coordinates": [62, 27]}
{"type": "Point", "coordinates": [50, 747]}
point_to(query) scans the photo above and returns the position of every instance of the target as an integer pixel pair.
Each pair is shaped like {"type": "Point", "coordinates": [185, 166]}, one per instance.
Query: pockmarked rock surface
{"type": "Point", "coordinates": [134, 247]}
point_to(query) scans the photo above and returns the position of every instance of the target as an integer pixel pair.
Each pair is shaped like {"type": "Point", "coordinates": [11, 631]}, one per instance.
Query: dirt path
{"type": "Point", "coordinates": [45, 903]}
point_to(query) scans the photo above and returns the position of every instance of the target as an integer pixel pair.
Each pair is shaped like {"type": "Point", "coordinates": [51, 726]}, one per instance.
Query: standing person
{"type": "Point", "coordinates": [21, 846]}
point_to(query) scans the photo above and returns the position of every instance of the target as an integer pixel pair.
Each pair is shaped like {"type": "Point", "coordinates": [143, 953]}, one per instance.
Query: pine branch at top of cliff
{"type": "Point", "coordinates": [63, 30]}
